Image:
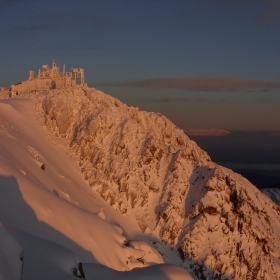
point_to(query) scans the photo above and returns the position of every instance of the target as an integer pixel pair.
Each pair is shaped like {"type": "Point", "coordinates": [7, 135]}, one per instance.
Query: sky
{"type": "Point", "coordinates": [211, 66]}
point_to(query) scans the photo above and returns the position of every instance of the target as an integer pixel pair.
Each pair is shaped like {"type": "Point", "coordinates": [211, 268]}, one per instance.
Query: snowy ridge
{"type": "Point", "coordinates": [144, 166]}
{"type": "Point", "coordinates": [51, 221]}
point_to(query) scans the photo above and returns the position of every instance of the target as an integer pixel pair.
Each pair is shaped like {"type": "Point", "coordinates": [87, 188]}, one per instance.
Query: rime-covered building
{"type": "Point", "coordinates": [49, 78]}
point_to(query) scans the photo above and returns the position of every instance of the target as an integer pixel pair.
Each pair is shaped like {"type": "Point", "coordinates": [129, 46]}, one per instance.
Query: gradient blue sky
{"type": "Point", "coordinates": [212, 65]}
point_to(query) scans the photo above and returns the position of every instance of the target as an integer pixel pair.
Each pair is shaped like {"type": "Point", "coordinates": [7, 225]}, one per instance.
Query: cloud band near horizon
{"type": "Point", "coordinates": [202, 83]}
{"type": "Point", "coordinates": [207, 132]}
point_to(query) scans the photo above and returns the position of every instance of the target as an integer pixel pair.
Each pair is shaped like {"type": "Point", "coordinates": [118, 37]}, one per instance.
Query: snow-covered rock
{"type": "Point", "coordinates": [54, 205]}
{"type": "Point", "coordinates": [142, 165]}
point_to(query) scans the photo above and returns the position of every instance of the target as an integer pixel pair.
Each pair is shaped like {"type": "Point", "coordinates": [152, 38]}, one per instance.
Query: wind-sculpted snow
{"type": "Point", "coordinates": [142, 164]}
{"type": "Point", "coordinates": [55, 204]}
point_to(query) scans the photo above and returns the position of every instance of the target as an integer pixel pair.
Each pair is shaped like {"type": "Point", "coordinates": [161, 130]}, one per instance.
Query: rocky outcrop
{"type": "Point", "coordinates": [141, 163]}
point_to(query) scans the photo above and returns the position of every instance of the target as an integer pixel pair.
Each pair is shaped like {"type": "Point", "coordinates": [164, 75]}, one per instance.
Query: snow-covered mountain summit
{"type": "Point", "coordinates": [144, 166]}
{"type": "Point", "coordinates": [53, 226]}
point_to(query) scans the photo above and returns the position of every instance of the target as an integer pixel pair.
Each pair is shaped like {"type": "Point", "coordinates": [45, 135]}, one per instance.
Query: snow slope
{"type": "Point", "coordinates": [11, 254]}
{"type": "Point", "coordinates": [149, 170]}
{"type": "Point", "coordinates": [50, 217]}
{"type": "Point", "coordinates": [273, 194]}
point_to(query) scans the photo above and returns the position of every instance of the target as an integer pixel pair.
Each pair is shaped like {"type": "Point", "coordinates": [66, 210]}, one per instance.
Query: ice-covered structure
{"type": "Point", "coordinates": [49, 78]}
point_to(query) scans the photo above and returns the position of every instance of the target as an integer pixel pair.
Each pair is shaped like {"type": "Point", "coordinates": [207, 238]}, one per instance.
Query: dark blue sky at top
{"type": "Point", "coordinates": [205, 64]}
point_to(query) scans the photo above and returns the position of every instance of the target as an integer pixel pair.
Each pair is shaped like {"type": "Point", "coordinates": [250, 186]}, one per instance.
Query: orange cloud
{"type": "Point", "coordinates": [207, 132]}
{"type": "Point", "coordinates": [204, 83]}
